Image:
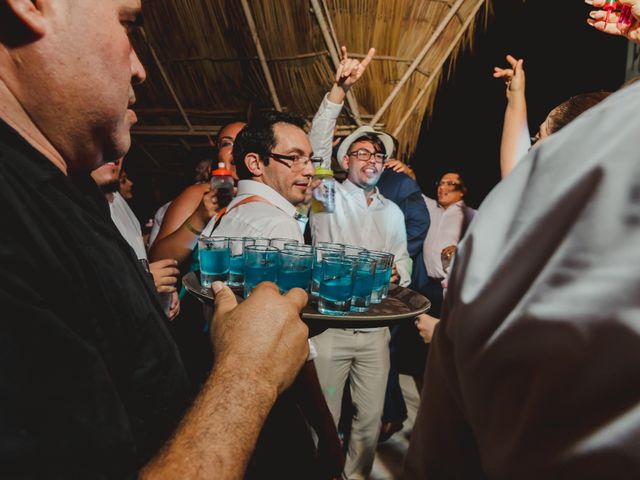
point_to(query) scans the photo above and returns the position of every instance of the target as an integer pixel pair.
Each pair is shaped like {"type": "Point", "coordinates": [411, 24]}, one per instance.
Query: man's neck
{"type": "Point", "coordinates": [16, 117]}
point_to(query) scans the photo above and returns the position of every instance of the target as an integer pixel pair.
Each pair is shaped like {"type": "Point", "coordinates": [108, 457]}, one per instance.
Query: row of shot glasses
{"type": "Point", "coordinates": [343, 278]}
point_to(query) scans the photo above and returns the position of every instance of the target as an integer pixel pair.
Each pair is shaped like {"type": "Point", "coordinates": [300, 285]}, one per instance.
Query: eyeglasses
{"type": "Point", "coordinates": [447, 183]}
{"type": "Point", "coordinates": [365, 155]}
{"type": "Point", "coordinates": [298, 162]}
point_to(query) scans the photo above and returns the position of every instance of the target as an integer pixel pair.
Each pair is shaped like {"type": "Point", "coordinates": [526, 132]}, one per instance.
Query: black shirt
{"type": "Point", "coordinates": [91, 383]}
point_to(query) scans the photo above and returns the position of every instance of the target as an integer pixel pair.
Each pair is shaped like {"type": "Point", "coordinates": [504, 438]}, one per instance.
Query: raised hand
{"type": "Point", "coordinates": [350, 69]}
{"type": "Point", "coordinates": [597, 19]}
{"type": "Point", "coordinates": [513, 77]}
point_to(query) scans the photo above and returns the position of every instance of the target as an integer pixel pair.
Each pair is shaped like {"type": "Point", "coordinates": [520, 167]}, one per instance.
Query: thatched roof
{"type": "Point", "coordinates": [209, 61]}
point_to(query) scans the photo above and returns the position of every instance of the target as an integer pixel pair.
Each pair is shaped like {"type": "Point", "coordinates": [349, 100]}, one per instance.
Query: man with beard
{"type": "Point", "coordinates": [364, 218]}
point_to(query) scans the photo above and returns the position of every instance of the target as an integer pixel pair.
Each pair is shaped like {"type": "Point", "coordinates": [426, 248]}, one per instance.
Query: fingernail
{"type": "Point", "coordinates": [588, 2]}
{"type": "Point", "coordinates": [217, 286]}
{"type": "Point", "coordinates": [592, 14]}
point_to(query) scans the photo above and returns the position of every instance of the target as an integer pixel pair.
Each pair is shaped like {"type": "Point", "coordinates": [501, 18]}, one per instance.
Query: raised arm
{"type": "Point", "coordinates": [324, 122]}
{"type": "Point", "coordinates": [515, 132]}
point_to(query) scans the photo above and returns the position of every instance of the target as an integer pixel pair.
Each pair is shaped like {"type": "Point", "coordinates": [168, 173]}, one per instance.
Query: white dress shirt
{"type": "Point", "coordinates": [445, 229]}
{"type": "Point", "coordinates": [379, 226]}
{"type": "Point", "coordinates": [322, 129]}
{"type": "Point", "coordinates": [158, 217]}
{"type": "Point", "coordinates": [127, 224]}
{"type": "Point", "coordinates": [275, 218]}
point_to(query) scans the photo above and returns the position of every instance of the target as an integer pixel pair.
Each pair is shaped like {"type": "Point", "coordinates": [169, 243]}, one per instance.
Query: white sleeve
{"type": "Point", "coordinates": [398, 246]}
{"type": "Point", "coordinates": [322, 128]}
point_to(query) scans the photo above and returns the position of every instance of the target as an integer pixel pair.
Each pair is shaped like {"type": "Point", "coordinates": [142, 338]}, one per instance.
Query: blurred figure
{"type": "Point", "coordinates": [126, 186]}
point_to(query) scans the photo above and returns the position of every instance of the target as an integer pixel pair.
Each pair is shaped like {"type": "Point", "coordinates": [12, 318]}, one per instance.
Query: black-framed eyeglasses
{"type": "Point", "coordinates": [365, 155]}
{"type": "Point", "coordinates": [447, 183]}
{"type": "Point", "coordinates": [298, 162]}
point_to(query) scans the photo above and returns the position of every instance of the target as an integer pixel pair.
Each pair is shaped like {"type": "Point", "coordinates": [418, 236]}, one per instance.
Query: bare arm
{"type": "Point", "coordinates": [255, 361]}
{"type": "Point", "coordinates": [515, 132]}
{"type": "Point", "coordinates": [195, 205]}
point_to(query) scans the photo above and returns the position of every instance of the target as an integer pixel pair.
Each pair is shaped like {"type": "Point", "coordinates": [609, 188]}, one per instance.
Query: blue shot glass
{"type": "Point", "coordinates": [336, 286]}
{"type": "Point", "coordinates": [364, 273]}
{"type": "Point", "coordinates": [294, 269]}
{"type": "Point", "coordinates": [384, 263]}
{"type": "Point", "coordinates": [260, 265]}
{"type": "Point", "coordinates": [236, 264]}
{"type": "Point", "coordinates": [319, 253]}
{"type": "Point", "coordinates": [214, 255]}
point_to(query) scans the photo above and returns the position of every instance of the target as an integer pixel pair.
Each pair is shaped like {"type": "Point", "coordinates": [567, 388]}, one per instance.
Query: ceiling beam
{"type": "Point", "coordinates": [416, 63]}
{"type": "Point", "coordinates": [166, 79]}
{"type": "Point", "coordinates": [263, 62]}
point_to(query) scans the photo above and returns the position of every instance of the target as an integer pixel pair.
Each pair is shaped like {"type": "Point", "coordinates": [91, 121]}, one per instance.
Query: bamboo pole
{"type": "Point", "coordinates": [425, 89]}
{"type": "Point", "coordinates": [417, 61]}
{"type": "Point", "coordinates": [166, 80]}
{"type": "Point", "coordinates": [263, 62]}
{"type": "Point", "coordinates": [328, 40]}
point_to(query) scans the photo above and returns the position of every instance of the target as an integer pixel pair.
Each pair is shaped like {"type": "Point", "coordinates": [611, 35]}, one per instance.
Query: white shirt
{"type": "Point", "coordinates": [157, 222]}
{"type": "Point", "coordinates": [445, 229]}
{"type": "Point", "coordinates": [127, 224]}
{"type": "Point", "coordinates": [379, 226]}
{"type": "Point", "coordinates": [533, 370]}
{"type": "Point", "coordinates": [275, 219]}
{"type": "Point", "coordinates": [322, 129]}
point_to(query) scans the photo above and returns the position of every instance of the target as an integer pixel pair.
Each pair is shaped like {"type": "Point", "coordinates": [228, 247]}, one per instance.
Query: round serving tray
{"type": "Point", "coordinates": [401, 304]}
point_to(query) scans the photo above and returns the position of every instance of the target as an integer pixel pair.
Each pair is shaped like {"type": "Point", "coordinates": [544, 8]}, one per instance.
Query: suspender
{"type": "Point", "coordinates": [225, 210]}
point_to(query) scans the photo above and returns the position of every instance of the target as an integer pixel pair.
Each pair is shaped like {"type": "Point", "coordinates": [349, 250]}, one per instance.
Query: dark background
{"type": "Point", "coordinates": [563, 57]}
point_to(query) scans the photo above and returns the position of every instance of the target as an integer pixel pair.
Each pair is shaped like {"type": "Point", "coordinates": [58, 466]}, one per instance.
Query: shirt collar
{"type": "Point", "coordinates": [352, 189]}
{"type": "Point", "coordinates": [252, 187]}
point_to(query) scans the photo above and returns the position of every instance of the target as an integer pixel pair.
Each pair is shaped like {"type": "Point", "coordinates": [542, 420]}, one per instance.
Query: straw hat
{"type": "Point", "coordinates": [385, 138]}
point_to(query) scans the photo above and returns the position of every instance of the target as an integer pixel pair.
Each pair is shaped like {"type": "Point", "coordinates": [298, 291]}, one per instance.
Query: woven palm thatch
{"type": "Point", "coordinates": [210, 61]}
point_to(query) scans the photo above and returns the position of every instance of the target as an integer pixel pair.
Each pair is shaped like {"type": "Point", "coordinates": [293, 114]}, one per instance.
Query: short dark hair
{"type": "Point", "coordinates": [569, 110]}
{"type": "Point", "coordinates": [258, 137]}
{"type": "Point", "coordinates": [370, 137]}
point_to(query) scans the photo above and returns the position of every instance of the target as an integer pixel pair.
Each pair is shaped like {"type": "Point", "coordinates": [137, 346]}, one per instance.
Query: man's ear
{"type": "Point", "coordinates": [345, 162]}
{"type": "Point", "coordinates": [26, 21]}
{"type": "Point", "coordinates": [253, 164]}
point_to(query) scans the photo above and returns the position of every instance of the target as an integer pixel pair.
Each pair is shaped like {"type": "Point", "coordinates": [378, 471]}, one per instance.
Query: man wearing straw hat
{"type": "Point", "coordinates": [362, 217]}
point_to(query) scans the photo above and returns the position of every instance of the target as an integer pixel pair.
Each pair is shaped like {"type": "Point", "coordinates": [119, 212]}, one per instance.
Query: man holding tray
{"type": "Point", "coordinates": [364, 218]}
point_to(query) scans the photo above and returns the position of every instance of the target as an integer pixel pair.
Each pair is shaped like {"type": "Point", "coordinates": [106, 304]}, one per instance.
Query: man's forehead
{"type": "Point", "coordinates": [450, 176]}
{"type": "Point", "coordinates": [291, 137]}
{"type": "Point", "coordinates": [363, 144]}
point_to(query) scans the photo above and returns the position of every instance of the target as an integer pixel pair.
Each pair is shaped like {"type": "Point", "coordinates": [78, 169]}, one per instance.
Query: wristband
{"type": "Point", "coordinates": [191, 228]}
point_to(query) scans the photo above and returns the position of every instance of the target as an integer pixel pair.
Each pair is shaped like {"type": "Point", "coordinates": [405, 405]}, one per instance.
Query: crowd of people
{"type": "Point", "coordinates": [110, 372]}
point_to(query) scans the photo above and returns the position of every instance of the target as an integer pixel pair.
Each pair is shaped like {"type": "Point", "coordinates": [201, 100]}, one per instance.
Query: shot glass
{"type": "Point", "coordinates": [298, 246]}
{"type": "Point", "coordinates": [332, 245]}
{"type": "Point", "coordinates": [351, 250]}
{"type": "Point", "coordinates": [382, 277]}
{"type": "Point", "coordinates": [336, 286]}
{"type": "Point", "coordinates": [214, 255]}
{"type": "Point", "coordinates": [260, 265]}
{"type": "Point", "coordinates": [236, 264]}
{"type": "Point", "coordinates": [260, 241]}
{"type": "Point", "coordinates": [364, 273]}
{"type": "Point", "coordinates": [279, 243]}
{"type": "Point", "coordinates": [319, 253]}
{"type": "Point", "coordinates": [294, 269]}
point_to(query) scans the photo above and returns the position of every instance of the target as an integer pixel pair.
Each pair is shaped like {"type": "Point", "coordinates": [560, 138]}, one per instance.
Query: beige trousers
{"type": "Point", "coordinates": [363, 357]}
